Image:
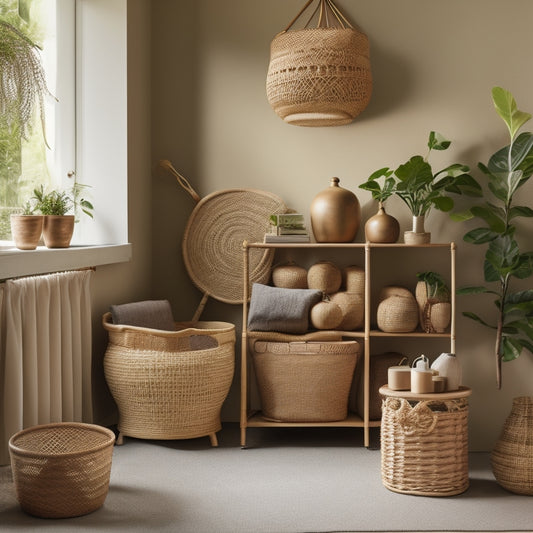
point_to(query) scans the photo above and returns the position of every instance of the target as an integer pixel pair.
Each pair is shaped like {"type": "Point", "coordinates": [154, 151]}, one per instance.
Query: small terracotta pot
{"type": "Point", "coordinates": [58, 230]}
{"type": "Point", "coordinates": [26, 230]}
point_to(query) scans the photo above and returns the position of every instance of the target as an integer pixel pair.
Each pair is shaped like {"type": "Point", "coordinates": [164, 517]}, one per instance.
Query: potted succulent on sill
{"type": "Point", "coordinates": [26, 228]}
{"type": "Point", "coordinates": [58, 224]}
{"type": "Point", "coordinates": [381, 227]}
{"type": "Point", "coordinates": [507, 171]}
{"type": "Point", "coordinates": [421, 189]}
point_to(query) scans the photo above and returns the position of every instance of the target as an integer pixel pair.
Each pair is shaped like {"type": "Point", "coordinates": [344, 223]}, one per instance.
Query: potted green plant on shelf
{"type": "Point", "coordinates": [433, 298]}
{"type": "Point", "coordinates": [506, 172]}
{"type": "Point", "coordinates": [422, 190]}
{"type": "Point", "coordinates": [381, 227]}
{"type": "Point", "coordinates": [26, 227]}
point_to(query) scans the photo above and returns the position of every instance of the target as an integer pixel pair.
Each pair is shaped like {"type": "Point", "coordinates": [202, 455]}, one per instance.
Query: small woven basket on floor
{"type": "Point", "coordinates": [170, 384]}
{"type": "Point", "coordinates": [305, 381]}
{"type": "Point", "coordinates": [424, 449]}
{"type": "Point", "coordinates": [61, 470]}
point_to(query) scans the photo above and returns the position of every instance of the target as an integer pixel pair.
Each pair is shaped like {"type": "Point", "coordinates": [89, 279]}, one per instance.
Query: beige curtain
{"type": "Point", "coordinates": [45, 352]}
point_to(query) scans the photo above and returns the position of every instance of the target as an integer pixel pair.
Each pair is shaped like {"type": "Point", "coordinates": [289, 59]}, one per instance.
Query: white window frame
{"type": "Point", "coordinates": [101, 141]}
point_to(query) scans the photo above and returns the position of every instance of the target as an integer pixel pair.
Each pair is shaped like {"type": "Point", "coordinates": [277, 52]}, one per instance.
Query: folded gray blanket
{"type": "Point", "coordinates": [154, 314]}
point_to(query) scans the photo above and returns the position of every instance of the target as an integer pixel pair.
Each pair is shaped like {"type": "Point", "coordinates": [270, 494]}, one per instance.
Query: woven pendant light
{"type": "Point", "coordinates": [319, 76]}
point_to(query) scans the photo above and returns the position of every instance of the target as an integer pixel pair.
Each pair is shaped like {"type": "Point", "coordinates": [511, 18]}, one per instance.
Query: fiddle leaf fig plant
{"type": "Point", "coordinates": [418, 186]}
{"type": "Point", "coordinates": [506, 171]}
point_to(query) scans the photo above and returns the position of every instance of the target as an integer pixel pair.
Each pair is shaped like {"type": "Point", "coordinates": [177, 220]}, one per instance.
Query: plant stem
{"type": "Point", "coordinates": [499, 332]}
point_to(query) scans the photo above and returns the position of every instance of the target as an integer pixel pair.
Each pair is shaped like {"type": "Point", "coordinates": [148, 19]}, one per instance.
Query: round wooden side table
{"type": "Point", "coordinates": [424, 442]}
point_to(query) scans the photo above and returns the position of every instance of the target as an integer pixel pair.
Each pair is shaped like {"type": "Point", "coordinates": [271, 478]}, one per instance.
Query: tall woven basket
{"type": "Point", "coordinates": [512, 456]}
{"type": "Point", "coordinates": [424, 449]}
{"type": "Point", "coordinates": [320, 76]}
{"type": "Point", "coordinates": [169, 384]}
{"type": "Point", "coordinates": [61, 470]}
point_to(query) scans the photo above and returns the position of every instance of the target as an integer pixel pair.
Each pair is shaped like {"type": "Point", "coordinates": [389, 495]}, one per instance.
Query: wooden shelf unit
{"type": "Point", "coordinates": [251, 418]}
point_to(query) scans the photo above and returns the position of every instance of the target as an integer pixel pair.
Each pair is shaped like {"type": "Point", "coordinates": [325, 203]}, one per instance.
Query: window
{"type": "Point", "coordinates": [28, 163]}
{"type": "Point", "coordinates": [101, 145]}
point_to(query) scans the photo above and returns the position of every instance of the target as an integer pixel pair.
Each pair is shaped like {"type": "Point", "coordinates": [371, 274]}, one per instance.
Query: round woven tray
{"type": "Point", "coordinates": [215, 232]}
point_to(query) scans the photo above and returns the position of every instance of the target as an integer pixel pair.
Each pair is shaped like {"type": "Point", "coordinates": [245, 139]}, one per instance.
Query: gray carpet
{"type": "Point", "coordinates": [286, 481]}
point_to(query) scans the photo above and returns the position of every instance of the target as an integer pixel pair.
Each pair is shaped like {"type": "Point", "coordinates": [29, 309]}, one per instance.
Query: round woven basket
{"type": "Point", "coordinates": [424, 449]}
{"type": "Point", "coordinates": [289, 276]}
{"type": "Point", "coordinates": [354, 279]}
{"type": "Point", "coordinates": [169, 384]}
{"type": "Point", "coordinates": [324, 276]}
{"type": "Point", "coordinates": [326, 315]}
{"type": "Point", "coordinates": [61, 470]}
{"type": "Point", "coordinates": [352, 306]}
{"type": "Point", "coordinates": [319, 76]}
{"type": "Point", "coordinates": [512, 456]}
{"type": "Point", "coordinates": [397, 314]}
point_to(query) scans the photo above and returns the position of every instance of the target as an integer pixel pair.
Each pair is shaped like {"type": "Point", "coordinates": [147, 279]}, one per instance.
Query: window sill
{"type": "Point", "coordinates": [15, 263]}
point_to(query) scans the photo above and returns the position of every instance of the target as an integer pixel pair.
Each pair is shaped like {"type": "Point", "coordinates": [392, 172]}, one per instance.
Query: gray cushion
{"type": "Point", "coordinates": [279, 309]}
{"type": "Point", "coordinates": [154, 314]}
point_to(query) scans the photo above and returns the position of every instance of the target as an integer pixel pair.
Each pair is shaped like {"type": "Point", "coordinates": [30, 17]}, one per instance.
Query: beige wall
{"type": "Point", "coordinates": [434, 64]}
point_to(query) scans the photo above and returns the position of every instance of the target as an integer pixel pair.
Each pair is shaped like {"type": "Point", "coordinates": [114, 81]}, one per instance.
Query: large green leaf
{"type": "Point", "coordinates": [519, 301]}
{"type": "Point", "coordinates": [475, 317]}
{"type": "Point", "coordinates": [501, 257]}
{"type": "Point", "coordinates": [521, 149]}
{"type": "Point", "coordinates": [480, 236]}
{"type": "Point", "coordinates": [511, 348]}
{"type": "Point", "coordinates": [443, 203]}
{"type": "Point", "coordinates": [506, 107]}
{"type": "Point", "coordinates": [461, 216]}
{"type": "Point", "coordinates": [478, 289]}
{"type": "Point", "coordinates": [415, 173]}
{"type": "Point", "coordinates": [524, 267]}
{"type": "Point", "coordinates": [520, 211]}
{"type": "Point", "coordinates": [490, 216]}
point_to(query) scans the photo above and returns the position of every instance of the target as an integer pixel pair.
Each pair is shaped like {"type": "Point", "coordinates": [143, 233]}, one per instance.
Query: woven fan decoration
{"type": "Point", "coordinates": [319, 76]}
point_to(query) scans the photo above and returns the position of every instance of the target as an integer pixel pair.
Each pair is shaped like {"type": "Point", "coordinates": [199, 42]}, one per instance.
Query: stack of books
{"type": "Point", "coordinates": [288, 227]}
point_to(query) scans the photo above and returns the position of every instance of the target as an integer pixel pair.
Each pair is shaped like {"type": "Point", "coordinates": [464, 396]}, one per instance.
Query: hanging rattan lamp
{"type": "Point", "coordinates": [319, 75]}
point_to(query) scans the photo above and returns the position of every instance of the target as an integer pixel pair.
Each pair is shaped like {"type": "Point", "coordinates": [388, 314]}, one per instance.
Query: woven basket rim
{"type": "Point", "coordinates": [94, 428]}
{"type": "Point", "coordinates": [184, 328]}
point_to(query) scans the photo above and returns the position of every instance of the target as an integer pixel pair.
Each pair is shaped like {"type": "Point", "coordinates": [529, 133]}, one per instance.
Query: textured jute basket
{"type": "Point", "coordinates": [305, 381]}
{"type": "Point", "coordinates": [434, 314]}
{"type": "Point", "coordinates": [319, 76]}
{"type": "Point", "coordinates": [324, 276]}
{"type": "Point", "coordinates": [61, 470]}
{"type": "Point", "coordinates": [397, 314]}
{"type": "Point", "coordinates": [354, 279]}
{"type": "Point", "coordinates": [352, 305]}
{"type": "Point", "coordinates": [289, 276]}
{"type": "Point", "coordinates": [170, 384]}
{"type": "Point", "coordinates": [512, 456]}
{"type": "Point", "coordinates": [424, 449]}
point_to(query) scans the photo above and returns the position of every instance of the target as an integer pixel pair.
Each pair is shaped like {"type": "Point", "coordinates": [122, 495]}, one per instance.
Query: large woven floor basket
{"type": "Point", "coordinates": [424, 448]}
{"type": "Point", "coordinates": [61, 470]}
{"type": "Point", "coordinates": [170, 384]}
{"type": "Point", "coordinates": [305, 381]}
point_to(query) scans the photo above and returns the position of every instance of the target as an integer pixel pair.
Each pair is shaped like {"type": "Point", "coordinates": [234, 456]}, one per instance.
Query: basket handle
{"type": "Point", "coordinates": [167, 165]}
{"type": "Point", "coordinates": [323, 21]}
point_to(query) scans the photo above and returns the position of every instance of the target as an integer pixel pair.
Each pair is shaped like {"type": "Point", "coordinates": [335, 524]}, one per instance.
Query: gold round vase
{"type": "Point", "coordinates": [382, 227]}
{"type": "Point", "coordinates": [335, 214]}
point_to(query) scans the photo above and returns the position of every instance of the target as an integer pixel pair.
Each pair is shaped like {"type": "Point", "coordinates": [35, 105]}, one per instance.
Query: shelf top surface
{"type": "Point", "coordinates": [463, 392]}
{"type": "Point", "coordinates": [247, 244]}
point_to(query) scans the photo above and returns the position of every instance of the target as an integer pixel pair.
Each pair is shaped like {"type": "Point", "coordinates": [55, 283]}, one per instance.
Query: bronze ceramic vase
{"type": "Point", "coordinates": [335, 214]}
{"type": "Point", "coordinates": [382, 227]}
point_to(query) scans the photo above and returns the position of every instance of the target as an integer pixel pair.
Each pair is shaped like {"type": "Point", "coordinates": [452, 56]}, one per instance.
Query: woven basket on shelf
{"type": "Point", "coordinates": [424, 449]}
{"type": "Point", "coordinates": [320, 76]}
{"type": "Point", "coordinates": [61, 470]}
{"type": "Point", "coordinates": [305, 381]}
{"type": "Point", "coordinates": [170, 384]}
{"type": "Point", "coordinates": [512, 456]}
{"type": "Point", "coordinates": [397, 314]}
{"type": "Point", "coordinates": [324, 276]}
{"type": "Point", "coordinates": [352, 306]}
{"type": "Point", "coordinates": [289, 276]}
{"type": "Point", "coordinates": [354, 279]}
